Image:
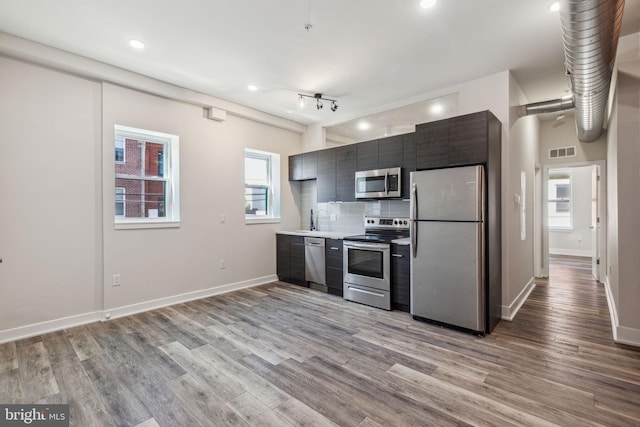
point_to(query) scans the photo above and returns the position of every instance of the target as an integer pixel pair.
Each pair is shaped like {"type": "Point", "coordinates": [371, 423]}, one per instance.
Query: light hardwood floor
{"type": "Point", "coordinates": [281, 355]}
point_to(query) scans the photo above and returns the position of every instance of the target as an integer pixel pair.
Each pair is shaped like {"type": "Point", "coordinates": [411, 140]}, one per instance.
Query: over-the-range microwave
{"type": "Point", "coordinates": [379, 183]}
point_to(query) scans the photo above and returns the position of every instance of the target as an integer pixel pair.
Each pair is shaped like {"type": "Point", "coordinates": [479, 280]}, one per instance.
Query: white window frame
{"type": "Point", "coordinates": [171, 178]}
{"type": "Point", "coordinates": [123, 201]}
{"type": "Point", "coordinates": [273, 216]}
{"type": "Point", "coordinates": [124, 151]}
{"type": "Point", "coordinates": [552, 200]}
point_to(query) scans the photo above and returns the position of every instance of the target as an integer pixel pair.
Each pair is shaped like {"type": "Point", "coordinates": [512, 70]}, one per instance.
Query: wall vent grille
{"type": "Point", "coordinates": [558, 153]}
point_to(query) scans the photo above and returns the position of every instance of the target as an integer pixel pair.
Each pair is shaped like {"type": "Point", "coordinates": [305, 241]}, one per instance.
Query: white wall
{"type": "Point", "coordinates": [577, 241]}
{"type": "Point", "coordinates": [162, 263]}
{"type": "Point", "coordinates": [50, 202]}
{"type": "Point", "coordinates": [623, 166]}
{"type": "Point", "coordinates": [563, 134]}
{"type": "Point", "coordinates": [522, 156]}
{"type": "Point", "coordinates": [56, 201]}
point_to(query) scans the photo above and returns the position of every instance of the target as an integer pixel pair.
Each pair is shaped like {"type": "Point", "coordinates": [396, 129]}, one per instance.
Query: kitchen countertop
{"type": "Point", "coordinates": [325, 234]}
{"type": "Point", "coordinates": [335, 235]}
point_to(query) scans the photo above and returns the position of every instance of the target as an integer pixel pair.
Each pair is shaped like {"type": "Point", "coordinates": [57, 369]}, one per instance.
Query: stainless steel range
{"type": "Point", "coordinates": [367, 261]}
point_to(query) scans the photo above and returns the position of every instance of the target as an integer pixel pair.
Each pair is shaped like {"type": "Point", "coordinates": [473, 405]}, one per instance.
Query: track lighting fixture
{"type": "Point", "coordinates": [319, 98]}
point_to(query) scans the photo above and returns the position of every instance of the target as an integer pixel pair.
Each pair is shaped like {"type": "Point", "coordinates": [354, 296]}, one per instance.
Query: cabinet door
{"type": "Point", "coordinates": [468, 139]}
{"type": "Point", "coordinates": [367, 155]}
{"type": "Point", "coordinates": [346, 173]}
{"type": "Point", "coordinates": [390, 152]}
{"type": "Point", "coordinates": [295, 167]}
{"type": "Point", "coordinates": [333, 257]}
{"type": "Point", "coordinates": [283, 256]}
{"type": "Point", "coordinates": [297, 260]}
{"type": "Point", "coordinates": [333, 253]}
{"type": "Point", "coordinates": [310, 165]}
{"type": "Point", "coordinates": [326, 183]}
{"type": "Point", "coordinates": [400, 277]}
{"type": "Point", "coordinates": [408, 162]}
{"type": "Point", "coordinates": [432, 145]}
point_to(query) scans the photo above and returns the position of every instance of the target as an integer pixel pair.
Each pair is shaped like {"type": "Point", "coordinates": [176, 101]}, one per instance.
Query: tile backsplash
{"type": "Point", "coordinates": [344, 217]}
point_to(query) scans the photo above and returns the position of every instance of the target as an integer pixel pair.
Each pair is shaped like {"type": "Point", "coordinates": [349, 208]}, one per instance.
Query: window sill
{"type": "Point", "coordinates": [135, 225]}
{"type": "Point", "coordinates": [249, 221]}
{"type": "Point", "coordinates": [561, 229]}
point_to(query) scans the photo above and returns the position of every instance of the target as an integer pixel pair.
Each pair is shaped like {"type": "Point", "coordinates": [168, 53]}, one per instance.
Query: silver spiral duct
{"type": "Point", "coordinates": [552, 106]}
{"type": "Point", "coordinates": [590, 32]}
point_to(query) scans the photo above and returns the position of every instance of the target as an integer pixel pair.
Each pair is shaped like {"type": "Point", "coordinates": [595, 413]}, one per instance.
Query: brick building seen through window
{"type": "Point", "coordinates": [140, 173]}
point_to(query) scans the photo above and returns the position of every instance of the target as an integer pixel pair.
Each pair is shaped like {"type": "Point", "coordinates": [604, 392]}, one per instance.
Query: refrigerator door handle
{"type": "Point", "coordinates": [414, 220]}
{"type": "Point", "coordinates": [414, 237]}
{"type": "Point", "coordinates": [414, 199]}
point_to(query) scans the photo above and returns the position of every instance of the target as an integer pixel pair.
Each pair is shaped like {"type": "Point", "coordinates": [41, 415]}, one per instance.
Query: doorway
{"type": "Point", "coordinates": [573, 217]}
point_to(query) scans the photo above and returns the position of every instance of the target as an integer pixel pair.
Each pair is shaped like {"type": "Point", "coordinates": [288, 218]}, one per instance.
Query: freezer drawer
{"type": "Point", "coordinates": [447, 277]}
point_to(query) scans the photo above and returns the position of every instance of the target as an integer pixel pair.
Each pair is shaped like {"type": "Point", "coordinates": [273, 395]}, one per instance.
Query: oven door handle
{"type": "Point", "coordinates": [366, 245]}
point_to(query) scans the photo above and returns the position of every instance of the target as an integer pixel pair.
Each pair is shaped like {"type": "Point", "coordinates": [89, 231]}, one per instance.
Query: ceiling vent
{"type": "Point", "coordinates": [590, 32]}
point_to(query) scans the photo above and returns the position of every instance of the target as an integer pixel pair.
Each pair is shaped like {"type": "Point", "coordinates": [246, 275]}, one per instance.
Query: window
{"type": "Point", "coordinates": [148, 176]}
{"type": "Point", "coordinates": [560, 206]}
{"type": "Point", "coordinates": [261, 186]}
{"type": "Point", "coordinates": [120, 202]}
{"type": "Point", "coordinates": [119, 150]}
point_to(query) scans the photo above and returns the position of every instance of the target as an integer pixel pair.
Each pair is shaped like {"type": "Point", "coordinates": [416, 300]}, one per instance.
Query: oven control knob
{"type": "Point", "coordinates": [405, 222]}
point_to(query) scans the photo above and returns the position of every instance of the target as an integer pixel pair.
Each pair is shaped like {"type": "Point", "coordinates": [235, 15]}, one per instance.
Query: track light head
{"type": "Point", "coordinates": [319, 98]}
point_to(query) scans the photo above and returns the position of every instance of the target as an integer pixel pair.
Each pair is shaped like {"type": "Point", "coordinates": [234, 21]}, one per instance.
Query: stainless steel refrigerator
{"type": "Point", "coordinates": [447, 243]}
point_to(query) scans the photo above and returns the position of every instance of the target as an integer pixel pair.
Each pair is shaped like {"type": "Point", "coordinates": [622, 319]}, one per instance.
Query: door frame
{"type": "Point", "coordinates": [542, 263]}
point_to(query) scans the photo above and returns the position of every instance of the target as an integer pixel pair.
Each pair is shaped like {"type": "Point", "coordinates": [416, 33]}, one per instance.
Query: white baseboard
{"type": "Point", "coordinates": [49, 326]}
{"type": "Point", "coordinates": [621, 334]}
{"type": "Point", "coordinates": [510, 311]}
{"type": "Point", "coordinates": [82, 319]}
{"type": "Point", "coordinates": [571, 252]}
{"type": "Point", "coordinates": [128, 310]}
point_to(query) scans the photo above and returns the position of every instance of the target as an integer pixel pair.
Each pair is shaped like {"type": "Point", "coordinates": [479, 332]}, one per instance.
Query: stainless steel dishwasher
{"type": "Point", "coordinates": [314, 263]}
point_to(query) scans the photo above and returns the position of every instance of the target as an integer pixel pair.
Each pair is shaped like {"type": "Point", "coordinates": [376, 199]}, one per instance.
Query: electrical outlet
{"type": "Point", "coordinates": [223, 264]}
{"type": "Point", "coordinates": [116, 280]}
{"type": "Point", "coordinates": [223, 219]}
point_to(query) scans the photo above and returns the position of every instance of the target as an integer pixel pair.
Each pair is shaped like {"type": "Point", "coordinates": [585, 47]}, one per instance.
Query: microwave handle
{"type": "Point", "coordinates": [386, 182]}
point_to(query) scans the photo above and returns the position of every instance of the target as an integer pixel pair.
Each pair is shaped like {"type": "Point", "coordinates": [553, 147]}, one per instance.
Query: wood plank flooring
{"type": "Point", "coordinates": [282, 355]}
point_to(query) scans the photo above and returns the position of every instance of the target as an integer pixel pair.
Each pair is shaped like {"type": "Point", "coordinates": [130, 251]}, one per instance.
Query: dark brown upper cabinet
{"type": "Point", "coordinates": [303, 166]}
{"type": "Point", "coordinates": [367, 155]}
{"type": "Point", "coordinates": [326, 182]}
{"type": "Point", "coordinates": [390, 152]}
{"type": "Point", "coordinates": [346, 165]}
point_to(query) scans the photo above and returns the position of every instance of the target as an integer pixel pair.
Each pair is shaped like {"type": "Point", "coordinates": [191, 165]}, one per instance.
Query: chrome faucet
{"type": "Point", "coordinates": [312, 225]}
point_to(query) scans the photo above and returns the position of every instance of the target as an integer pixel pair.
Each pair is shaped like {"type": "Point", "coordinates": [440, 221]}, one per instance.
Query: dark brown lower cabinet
{"type": "Point", "coordinates": [290, 259]}
{"type": "Point", "coordinates": [400, 277]}
{"type": "Point", "coordinates": [333, 260]}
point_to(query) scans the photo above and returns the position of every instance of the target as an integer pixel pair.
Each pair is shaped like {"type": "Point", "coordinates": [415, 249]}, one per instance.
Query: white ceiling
{"type": "Point", "coordinates": [368, 54]}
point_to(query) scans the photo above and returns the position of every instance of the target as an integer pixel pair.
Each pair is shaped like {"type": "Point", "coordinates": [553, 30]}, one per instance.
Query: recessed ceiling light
{"type": "Point", "coordinates": [252, 88]}
{"type": "Point", "coordinates": [426, 4]}
{"type": "Point", "coordinates": [437, 108]}
{"type": "Point", "coordinates": [554, 6]}
{"type": "Point", "coordinates": [136, 44]}
{"type": "Point", "coordinates": [364, 126]}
